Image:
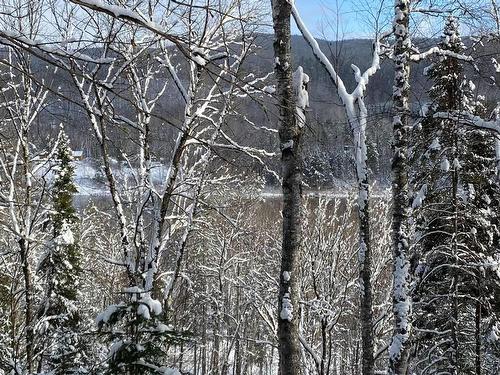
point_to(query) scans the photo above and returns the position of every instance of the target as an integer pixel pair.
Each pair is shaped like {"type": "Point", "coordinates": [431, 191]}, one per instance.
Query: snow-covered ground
{"type": "Point", "coordinates": [340, 189]}
{"type": "Point", "coordinates": [90, 179]}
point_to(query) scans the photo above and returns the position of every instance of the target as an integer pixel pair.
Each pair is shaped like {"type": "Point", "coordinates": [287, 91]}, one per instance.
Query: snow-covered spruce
{"type": "Point", "coordinates": [60, 266]}
{"type": "Point", "coordinates": [455, 210]}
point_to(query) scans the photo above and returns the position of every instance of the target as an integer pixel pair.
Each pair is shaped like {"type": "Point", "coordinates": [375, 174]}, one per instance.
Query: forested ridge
{"type": "Point", "coordinates": [328, 155]}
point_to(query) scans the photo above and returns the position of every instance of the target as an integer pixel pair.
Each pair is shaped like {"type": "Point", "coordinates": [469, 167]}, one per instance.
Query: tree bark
{"type": "Point", "coordinates": [24, 247]}
{"type": "Point", "coordinates": [477, 337]}
{"type": "Point", "coordinates": [28, 299]}
{"type": "Point", "coordinates": [497, 142]}
{"type": "Point", "coordinates": [455, 276]}
{"type": "Point", "coordinates": [398, 350]}
{"type": "Point", "coordinates": [365, 255]}
{"type": "Point", "coordinates": [291, 162]}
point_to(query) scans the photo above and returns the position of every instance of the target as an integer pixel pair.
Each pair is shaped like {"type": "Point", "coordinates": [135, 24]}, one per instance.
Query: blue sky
{"type": "Point", "coordinates": [340, 19]}
{"type": "Point", "coordinates": [357, 18]}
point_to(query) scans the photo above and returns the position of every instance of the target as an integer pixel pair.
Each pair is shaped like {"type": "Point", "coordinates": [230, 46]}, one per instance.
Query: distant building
{"type": "Point", "coordinates": [78, 155]}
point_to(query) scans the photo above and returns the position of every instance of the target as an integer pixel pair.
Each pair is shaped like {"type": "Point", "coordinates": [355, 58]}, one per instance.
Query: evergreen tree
{"type": "Point", "coordinates": [481, 241]}
{"type": "Point", "coordinates": [456, 229]}
{"type": "Point", "coordinates": [60, 266]}
{"type": "Point", "coordinates": [140, 338]}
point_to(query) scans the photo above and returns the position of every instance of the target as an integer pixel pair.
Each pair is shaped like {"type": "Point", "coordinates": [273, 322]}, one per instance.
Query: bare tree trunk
{"type": "Point", "coordinates": [324, 345]}
{"type": "Point", "coordinates": [28, 300]}
{"type": "Point", "coordinates": [398, 350]}
{"type": "Point", "coordinates": [195, 360]}
{"type": "Point", "coordinates": [357, 113]}
{"type": "Point", "coordinates": [478, 338]}
{"type": "Point", "coordinates": [497, 140]}
{"type": "Point", "coordinates": [291, 161]}
{"type": "Point", "coordinates": [365, 256]}
{"type": "Point", "coordinates": [366, 299]}
{"type": "Point", "coordinates": [354, 366]}
{"type": "Point", "coordinates": [455, 277]}
{"type": "Point", "coordinates": [497, 153]}
{"type": "Point", "coordinates": [237, 349]}
{"type": "Point", "coordinates": [24, 253]}
{"type": "Point", "coordinates": [216, 346]}
{"type": "Point", "coordinates": [204, 344]}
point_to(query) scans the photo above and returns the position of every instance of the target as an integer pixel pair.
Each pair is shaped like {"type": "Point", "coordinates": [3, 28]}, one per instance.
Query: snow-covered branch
{"type": "Point", "coordinates": [440, 52]}
{"type": "Point", "coordinates": [126, 14]}
{"type": "Point", "coordinates": [11, 38]}
{"type": "Point", "coordinates": [362, 79]}
{"type": "Point", "coordinates": [470, 120]}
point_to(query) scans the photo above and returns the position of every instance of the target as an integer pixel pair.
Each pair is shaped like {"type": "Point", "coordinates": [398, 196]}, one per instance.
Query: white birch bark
{"type": "Point", "coordinates": [398, 349]}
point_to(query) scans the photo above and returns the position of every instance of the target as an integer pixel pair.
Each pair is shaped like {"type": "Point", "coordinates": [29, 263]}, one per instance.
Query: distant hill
{"type": "Point", "coordinates": [328, 140]}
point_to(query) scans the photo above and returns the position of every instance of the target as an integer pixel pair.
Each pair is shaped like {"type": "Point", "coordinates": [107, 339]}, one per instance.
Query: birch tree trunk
{"type": "Point", "coordinates": [398, 350]}
{"type": "Point", "coordinates": [454, 251]}
{"type": "Point", "coordinates": [497, 142]}
{"type": "Point", "coordinates": [291, 162]}
{"type": "Point", "coordinates": [365, 257]}
{"type": "Point", "coordinates": [357, 115]}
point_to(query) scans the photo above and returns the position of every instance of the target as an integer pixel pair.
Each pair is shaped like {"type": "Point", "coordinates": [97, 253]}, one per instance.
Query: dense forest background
{"type": "Point", "coordinates": [328, 144]}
